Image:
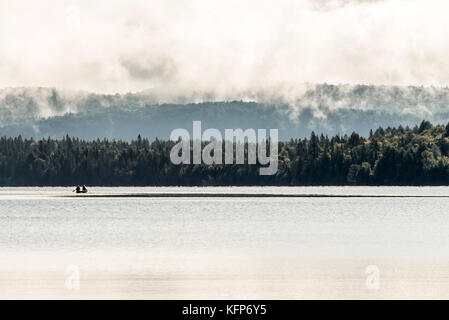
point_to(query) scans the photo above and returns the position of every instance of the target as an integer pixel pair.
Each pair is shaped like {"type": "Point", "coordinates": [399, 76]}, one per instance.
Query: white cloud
{"type": "Point", "coordinates": [221, 46]}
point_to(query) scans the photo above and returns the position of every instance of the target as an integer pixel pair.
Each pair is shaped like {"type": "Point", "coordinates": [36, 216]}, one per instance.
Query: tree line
{"type": "Point", "coordinates": [389, 156]}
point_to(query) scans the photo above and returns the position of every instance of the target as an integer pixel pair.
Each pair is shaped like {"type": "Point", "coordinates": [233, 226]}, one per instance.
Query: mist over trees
{"type": "Point", "coordinates": [389, 156]}
{"type": "Point", "coordinates": [295, 111]}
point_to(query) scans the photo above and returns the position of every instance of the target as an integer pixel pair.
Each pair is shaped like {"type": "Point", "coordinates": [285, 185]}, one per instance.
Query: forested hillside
{"type": "Point", "coordinates": [295, 111]}
{"type": "Point", "coordinates": [389, 156]}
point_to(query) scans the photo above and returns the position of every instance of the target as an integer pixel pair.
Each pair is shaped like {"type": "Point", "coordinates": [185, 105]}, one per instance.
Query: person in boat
{"type": "Point", "coordinates": [84, 189]}
{"type": "Point", "coordinates": [78, 189]}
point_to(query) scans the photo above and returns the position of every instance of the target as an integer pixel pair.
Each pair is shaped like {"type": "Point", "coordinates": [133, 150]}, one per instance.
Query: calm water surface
{"type": "Point", "coordinates": [246, 239]}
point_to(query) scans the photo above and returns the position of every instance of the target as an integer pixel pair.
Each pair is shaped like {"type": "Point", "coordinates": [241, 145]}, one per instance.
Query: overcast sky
{"type": "Point", "coordinates": [199, 45]}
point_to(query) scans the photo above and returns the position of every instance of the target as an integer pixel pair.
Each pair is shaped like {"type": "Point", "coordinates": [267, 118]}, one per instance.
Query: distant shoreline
{"type": "Point", "coordinates": [417, 156]}
{"type": "Point", "coordinates": [240, 195]}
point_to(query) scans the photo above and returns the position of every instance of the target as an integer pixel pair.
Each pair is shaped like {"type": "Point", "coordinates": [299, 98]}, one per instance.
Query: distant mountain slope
{"type": "Point", "coordinates": [329, 109]}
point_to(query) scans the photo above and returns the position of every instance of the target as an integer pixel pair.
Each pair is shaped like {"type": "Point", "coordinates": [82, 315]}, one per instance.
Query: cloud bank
{"type": "Point", "coordinates": [221, 47]}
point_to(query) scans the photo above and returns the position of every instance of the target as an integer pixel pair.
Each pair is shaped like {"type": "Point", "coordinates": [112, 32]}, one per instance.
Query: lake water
{"type": "Point", "coordinates": [227, 247]}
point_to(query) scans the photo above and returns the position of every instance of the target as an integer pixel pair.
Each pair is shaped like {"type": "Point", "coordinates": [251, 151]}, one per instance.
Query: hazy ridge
{"type": "Point", "coordinates": [294, 110]}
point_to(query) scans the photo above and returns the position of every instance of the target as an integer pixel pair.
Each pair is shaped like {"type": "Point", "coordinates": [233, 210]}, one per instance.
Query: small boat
{"type": "Point", "coordinates": [80, 190]}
